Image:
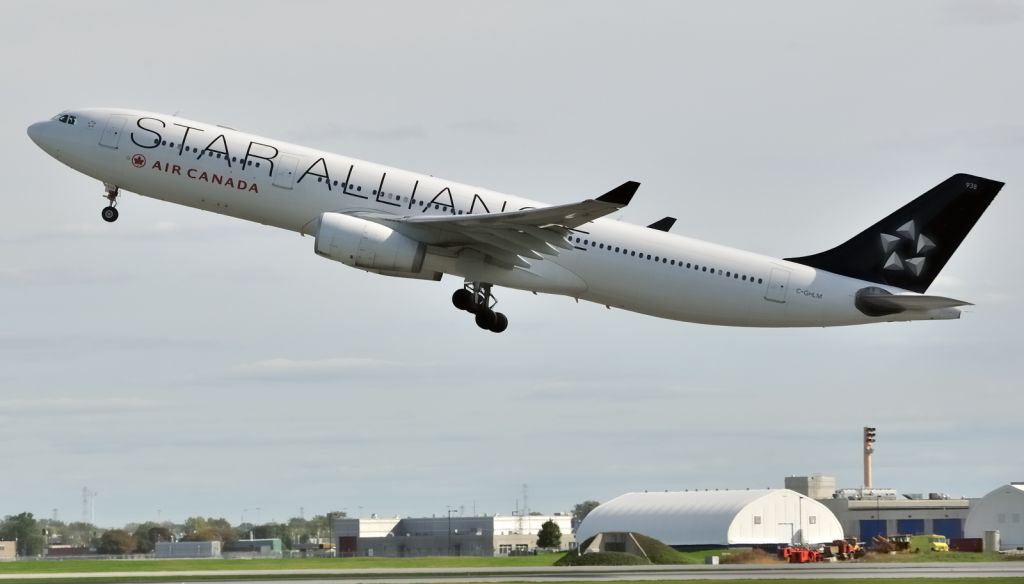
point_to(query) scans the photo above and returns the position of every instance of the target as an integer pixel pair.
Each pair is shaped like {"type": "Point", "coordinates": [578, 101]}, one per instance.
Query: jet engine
{"type": "Point", "coordinates": [367, 245]}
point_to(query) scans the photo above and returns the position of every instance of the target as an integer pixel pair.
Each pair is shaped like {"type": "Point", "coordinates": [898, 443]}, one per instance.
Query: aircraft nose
{"type": "Point", "coordinates": [38, 133]}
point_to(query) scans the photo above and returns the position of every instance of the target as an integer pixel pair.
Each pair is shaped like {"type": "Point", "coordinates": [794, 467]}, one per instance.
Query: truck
{"type": "Point", "coordinates": [929, 543]}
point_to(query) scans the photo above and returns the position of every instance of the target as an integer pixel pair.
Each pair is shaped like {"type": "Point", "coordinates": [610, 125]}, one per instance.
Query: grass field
{"type": "Point", "coordinates": [107, 566]}
{"type": "Point", "coordinates": [998, 580]}
{"type": "Point", "coordinates": [362, 563]}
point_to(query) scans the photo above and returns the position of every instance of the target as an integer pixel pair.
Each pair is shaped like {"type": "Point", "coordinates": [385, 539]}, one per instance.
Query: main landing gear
{"type": "Point", "coordinates": [109, 213]}
{"type": "Point", "coordinates": [476, 298]}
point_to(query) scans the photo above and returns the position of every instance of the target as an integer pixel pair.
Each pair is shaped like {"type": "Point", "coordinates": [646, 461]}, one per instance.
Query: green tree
{"type": "Point", "coordinates": [550, 535]}
{"type": "Point", "coordinates": [24, 528]}
{"type": "Point", "coordinates": [116, 542]}
{"type": "Point", "coordinates": [194, 524]}
{"type": "Point", "coordinates": [76, 533]}
{"type": "Point", "coordinates": [273, 530]}
{"type": "Point", "coordinates": [209, 529]}
{"type": "Point", "coordinates": [581, 510]}
{"type": "Point", "coordinates": [147, 534]}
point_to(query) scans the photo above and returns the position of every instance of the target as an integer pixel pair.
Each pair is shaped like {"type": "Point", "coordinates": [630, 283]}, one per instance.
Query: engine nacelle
{"type": "Point", "coordinates": [367, 245]}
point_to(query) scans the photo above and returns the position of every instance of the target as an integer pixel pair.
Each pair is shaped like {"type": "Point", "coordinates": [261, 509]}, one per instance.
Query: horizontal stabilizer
{"type": "Point", "coordinates": [663, 224]}
{"type": "Point", "coordinates": [877, 302]}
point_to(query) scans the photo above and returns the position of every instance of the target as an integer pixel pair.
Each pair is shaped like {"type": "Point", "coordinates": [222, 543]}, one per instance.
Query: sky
{"type": "Point", "coordinates": [182, 363]}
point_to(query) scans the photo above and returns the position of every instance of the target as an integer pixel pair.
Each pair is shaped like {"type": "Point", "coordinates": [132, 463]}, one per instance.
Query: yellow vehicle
{"type": "Point", "coordinates": [934, 543]}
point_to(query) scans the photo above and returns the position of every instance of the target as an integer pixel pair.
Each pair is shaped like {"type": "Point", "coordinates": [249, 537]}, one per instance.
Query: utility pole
{"type": "Point", "coordinates": [450, 509]}
{"type": "Point", "coordinates": [869, 448]}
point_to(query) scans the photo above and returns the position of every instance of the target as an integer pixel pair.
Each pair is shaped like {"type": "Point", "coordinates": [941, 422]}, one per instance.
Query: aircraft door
{"type": "Point", "coordinates": [112, 133]}
{"type": "Point", "coordinates": [778, 285]}
{"type": "Point", "coordinates": [284, 171]}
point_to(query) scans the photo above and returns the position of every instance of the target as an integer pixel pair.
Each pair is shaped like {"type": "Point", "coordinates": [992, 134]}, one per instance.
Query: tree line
{"type": "Point", "coordinates": [33, 535]}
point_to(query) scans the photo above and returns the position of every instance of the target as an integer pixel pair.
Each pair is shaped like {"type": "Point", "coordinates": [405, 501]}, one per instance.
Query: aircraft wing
{"type": "Point", "coordinates": [510, 238]}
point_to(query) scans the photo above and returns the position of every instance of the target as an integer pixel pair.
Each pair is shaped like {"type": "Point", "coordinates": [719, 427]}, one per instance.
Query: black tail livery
{"type": "Point", "coordinates": [909, 248]}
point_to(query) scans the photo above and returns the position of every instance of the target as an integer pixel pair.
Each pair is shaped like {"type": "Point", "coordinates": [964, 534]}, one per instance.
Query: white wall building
{"type": "Point", "coordinates": [1001, 510]}
{"type": "Point", "coordinates": [716, 518]}
{"type": "Point", "coordinates": [187, 549]}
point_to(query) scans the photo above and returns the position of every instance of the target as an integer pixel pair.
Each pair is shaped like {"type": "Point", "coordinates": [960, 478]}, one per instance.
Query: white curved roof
{"type": "Point", "coordinates": [1001, 510]}
{"type": "Point", "coordinates": [725, 517]}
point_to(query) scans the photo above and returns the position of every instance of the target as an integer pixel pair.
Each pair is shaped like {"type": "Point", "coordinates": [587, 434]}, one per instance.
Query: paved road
{"type": "Point", "coordinates": [591, 573]}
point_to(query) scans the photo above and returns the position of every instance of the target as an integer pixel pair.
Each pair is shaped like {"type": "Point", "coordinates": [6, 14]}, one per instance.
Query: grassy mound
{"type": "Point", "coordinates": [660, 553]}
{"type": "Point", "coordinates": [602, 559]}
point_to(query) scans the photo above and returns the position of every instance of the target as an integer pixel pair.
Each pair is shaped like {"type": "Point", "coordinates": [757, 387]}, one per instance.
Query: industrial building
{"type": "Point", "coordinates": [187, 549]}
{"type": "Point", "coordinates": [253, 548]}
{"type": "Point", "coordinates": [444, 536]}
{"type": "Point", "coordinates": [1001, 510]}
{"type": "Point", "coordinates": [866, 512]}
{"type": "Point", "coordinates": [8, 551]}
{"type": "Point", "coordinates": [716, 518]}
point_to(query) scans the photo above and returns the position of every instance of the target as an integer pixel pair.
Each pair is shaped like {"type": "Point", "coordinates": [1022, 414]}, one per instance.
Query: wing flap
{"type": "Point", "coordinates": [509, 237]}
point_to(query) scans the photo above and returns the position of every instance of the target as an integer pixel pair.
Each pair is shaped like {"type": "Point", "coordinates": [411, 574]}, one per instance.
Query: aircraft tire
{"type": "Point", "coordinates": [109, 214]}
{"type": "Point", "coordinates": [500, 323]}
{"type": "Point", "coordinates": [462, 299]}
{"type": "Point", "coordinates": [486, 318]}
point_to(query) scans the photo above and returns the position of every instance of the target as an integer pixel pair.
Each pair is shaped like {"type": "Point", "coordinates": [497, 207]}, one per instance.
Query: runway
{"type": "Point", "coordinates": [562, 574]}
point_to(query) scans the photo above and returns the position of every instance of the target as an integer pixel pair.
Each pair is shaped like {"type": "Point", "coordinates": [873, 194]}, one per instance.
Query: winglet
{"type": "Point", "coordinates": [663, 224]}
{"type": "Point", "coordinates": [620, 195]}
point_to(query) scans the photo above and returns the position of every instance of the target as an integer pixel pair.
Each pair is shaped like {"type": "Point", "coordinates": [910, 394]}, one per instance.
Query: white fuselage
{"type": "Point", "coordinates": [288, 186]}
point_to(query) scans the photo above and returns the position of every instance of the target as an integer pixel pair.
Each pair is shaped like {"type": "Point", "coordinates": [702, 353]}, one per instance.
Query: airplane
{"type": "Point", "coordinates": [410, 225]}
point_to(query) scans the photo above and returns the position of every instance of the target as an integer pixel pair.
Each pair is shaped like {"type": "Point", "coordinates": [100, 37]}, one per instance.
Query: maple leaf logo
{"type": "Point", "coordinates": [138, 161]}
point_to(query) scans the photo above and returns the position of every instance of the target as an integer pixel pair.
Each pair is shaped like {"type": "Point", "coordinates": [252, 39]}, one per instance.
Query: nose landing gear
{"type": "Point", "coordinates": [476, 298]}
{"type": "Point", "coordinates": [109, 212]}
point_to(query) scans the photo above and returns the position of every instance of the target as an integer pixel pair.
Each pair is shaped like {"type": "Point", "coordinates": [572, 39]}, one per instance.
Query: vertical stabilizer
{"type": "Point", "coordinates": [909, 248]}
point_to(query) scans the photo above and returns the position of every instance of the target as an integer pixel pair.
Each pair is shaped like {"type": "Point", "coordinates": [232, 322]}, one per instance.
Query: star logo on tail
{"type": "Point", "coordinates": [905, 250]}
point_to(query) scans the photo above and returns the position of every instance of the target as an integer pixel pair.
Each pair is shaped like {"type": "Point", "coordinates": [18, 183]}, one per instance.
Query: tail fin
{"type": "Point", "coordinates": [908, 248]}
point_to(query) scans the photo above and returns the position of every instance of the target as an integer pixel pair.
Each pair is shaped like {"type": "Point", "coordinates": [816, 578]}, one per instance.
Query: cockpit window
{"type": "Point", "coordinates": [66, 119]}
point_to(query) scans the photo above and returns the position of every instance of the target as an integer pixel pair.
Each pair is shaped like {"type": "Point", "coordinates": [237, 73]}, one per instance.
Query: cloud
{"type": "Point", "coordinates": [17, 277]}
{"type": "Point", "coordinates": [485, 127]}
{"type": "Point", "coordinates": [132, 232]}
{"type": "Point", "coordinates": [384, 134]}
{"type": "Point", "coordinates": [63, 406]}
{"type": "Point", "coordinates": [278, 368]}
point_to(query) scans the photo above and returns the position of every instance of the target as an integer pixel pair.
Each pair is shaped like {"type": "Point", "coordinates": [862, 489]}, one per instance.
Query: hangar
{"type": "Point", "coordinates": [716, 518]}
{"type": "Point", "coordinates": [1001, 510]}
